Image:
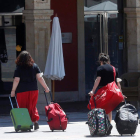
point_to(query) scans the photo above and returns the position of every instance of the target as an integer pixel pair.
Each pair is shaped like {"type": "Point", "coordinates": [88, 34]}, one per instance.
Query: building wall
{"type": "Point", "coordinates": [67, 13]}
{"type": "Point", "coordinates": [133, 34]}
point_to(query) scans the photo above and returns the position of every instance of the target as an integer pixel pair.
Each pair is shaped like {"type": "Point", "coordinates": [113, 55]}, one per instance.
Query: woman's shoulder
{"type": "Point", "coordinates": [35, 65]}
{"type": "Point", "coordinates": [17, 67]}
{"type": "Point", "coordinates": [100, 68]}
{"type": "Point", "coordinates": [104, 67]}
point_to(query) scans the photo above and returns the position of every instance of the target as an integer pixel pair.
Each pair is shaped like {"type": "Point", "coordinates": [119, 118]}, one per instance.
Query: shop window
{"type": "Point", "coordinates": [12, 35]}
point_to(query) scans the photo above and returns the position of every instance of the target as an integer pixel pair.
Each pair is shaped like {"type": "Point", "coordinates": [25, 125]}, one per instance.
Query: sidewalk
{"type": "Point", "coordinates": [76, 130]}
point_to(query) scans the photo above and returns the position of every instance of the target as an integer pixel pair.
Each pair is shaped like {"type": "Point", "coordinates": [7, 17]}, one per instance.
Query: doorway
{"type": "Point", "coordinates": [12, 34]}
{"type": "Point", "coordinates": [101, 35]}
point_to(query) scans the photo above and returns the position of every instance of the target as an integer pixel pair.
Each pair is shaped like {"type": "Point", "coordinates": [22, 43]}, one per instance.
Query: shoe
{"type": "Point", "coordinates": [36, 126]}
{"type": "Point", "coordinates": [109, 130]}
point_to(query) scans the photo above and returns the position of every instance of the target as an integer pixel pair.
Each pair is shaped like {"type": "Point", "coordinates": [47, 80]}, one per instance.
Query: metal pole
{"type": "Point", "coordinates": [106, 32]}
{"type": "Point", "coordinates": [100, 33]}
{"type": "Point", "coordinates": [53, 89]}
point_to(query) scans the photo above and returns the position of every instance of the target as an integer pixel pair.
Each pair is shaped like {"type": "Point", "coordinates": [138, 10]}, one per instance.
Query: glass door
{"type": "Point", "coordinates": [94, 44]}
{"type": "Point", "coordinates": [101, 35]}
{"type": "Point", "coordinates": [115, 42]}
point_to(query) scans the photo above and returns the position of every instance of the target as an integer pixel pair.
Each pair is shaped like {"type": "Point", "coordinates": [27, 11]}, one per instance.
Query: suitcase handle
{"type": "Point", "coordinates": [12, 103]}
{"type": "Point", "coordinates": [46, 97]}
{"type": "Point", "coordinates": [94, 103]}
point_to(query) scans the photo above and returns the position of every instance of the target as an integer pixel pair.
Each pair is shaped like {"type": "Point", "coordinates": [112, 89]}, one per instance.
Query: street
{"type": "Point", "coordinates": [76, 130]}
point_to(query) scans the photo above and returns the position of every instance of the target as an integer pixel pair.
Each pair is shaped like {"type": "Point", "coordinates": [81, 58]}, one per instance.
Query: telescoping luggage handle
{"type": "Point", "coordinates": [46, 97]}
{"type": "Point", "coordinates": [12, 103]}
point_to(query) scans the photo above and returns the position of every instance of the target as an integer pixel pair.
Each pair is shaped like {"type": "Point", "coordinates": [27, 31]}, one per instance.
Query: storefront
{"type": "Point", "coordinates": [12, 41]}
{"type": "Point", "coordinates": [104, 32]}
{"type": "Point", "coordinates": [12, 37]}
{"type": "Point", "coordinates": [95, 25]}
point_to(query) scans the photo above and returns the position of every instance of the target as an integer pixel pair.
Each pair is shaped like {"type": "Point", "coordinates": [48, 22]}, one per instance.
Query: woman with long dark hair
{"type": "Point", "coordinates": [25, 85]}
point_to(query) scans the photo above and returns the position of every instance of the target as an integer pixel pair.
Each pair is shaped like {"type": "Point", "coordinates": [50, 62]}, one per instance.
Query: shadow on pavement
{"type": "Point", "coordinates": [54, 131]}
{"type": "Point", "coordinates": [20, 132]}
{"type": "Point", "coordinates": [126, 136]}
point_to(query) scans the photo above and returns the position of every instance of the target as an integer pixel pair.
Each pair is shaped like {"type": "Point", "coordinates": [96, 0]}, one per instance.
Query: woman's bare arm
{"type": "Point", "coordinates": [119, 86]}
{"type": "Point", "coordinates": [42, 82]}
{"type": "Point", "coordinates": [96, 83]}
{"type": "Point", "coordinates": [15, 84]}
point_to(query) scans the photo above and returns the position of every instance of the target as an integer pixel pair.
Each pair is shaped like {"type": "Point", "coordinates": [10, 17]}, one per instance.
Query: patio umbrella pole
{"type": "Point", "coordinates": [53, 88]}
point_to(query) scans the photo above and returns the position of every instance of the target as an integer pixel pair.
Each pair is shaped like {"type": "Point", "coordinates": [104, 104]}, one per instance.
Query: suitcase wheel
{"type": "Point", "coordinates": [63, 130]}
{"type": "Point", "coordinates": [52, 130]}
{"type": "Point", "coordinates": [121, 134]}
{"type": "Point", "coordinates": [29, 130]}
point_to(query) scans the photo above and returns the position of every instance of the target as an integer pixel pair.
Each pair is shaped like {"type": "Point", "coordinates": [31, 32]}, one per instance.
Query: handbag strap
{"type": "Point", "coordinates": [114, 72]}
{"type": "Point", "coordinates": [94, 103]}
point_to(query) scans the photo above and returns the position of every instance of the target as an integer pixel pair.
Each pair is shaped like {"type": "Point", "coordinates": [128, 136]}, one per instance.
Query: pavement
{"type": "Point", "coordinates": [76, 130]}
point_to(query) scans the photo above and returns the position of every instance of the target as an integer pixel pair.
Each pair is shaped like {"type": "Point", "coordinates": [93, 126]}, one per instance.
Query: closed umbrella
{"type": "Point", "coordinates": [54, 68]}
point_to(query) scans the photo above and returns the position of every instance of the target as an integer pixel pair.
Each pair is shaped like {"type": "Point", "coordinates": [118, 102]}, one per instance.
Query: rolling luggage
{"type": "Point", "coordinates": [126, 119]}
{"type": "Point", "coordinates": [55, 115]}
{"type": "Point", "coordinates": [98, 122]}
{"type": "Point", "coordinates": [20, 118]}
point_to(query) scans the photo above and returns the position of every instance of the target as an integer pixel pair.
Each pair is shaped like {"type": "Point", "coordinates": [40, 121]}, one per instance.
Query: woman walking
{"type": "Point", "coordinates": [105, 75]}
{"type": "Point", "coordinates": [25, 85]}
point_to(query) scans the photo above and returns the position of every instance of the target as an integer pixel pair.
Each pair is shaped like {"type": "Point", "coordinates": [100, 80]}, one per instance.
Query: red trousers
{"type": "Point", "coordinates": [28, 100]}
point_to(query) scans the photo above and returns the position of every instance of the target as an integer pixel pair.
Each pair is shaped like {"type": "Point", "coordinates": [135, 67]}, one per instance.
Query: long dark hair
{"type": "Point", "coordinates": [24, 59]}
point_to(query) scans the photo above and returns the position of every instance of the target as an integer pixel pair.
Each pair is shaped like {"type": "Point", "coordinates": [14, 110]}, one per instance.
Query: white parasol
{"type": "Point", "coordinates": [104, 6]}
{"type": "Point", "coordinates": [54, 68]}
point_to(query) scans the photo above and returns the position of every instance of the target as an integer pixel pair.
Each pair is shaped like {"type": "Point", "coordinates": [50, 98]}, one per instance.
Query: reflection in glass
{"type": "Point", "coordinates": [92, 48]}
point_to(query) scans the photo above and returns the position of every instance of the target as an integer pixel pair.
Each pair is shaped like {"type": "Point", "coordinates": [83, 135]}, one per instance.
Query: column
{"type": "Point", "coordinates": [37, 15]}
{"type": "Point", "coordinates": [132, 11]}
{"type": "Point", "coordinates": [81, 50]}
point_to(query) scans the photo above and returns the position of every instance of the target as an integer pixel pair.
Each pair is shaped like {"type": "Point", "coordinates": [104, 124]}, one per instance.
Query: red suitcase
{"type": "Point", "coordinates": [56, 117]}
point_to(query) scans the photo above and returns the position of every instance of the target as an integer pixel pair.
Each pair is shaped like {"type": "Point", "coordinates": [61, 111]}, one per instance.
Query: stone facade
{"type": "Point", "coordinates": [132, 11]}
{"type": "Point", "coordinates": [81, 50]}
{"type": "Point", "coordinates": [37, 15]}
